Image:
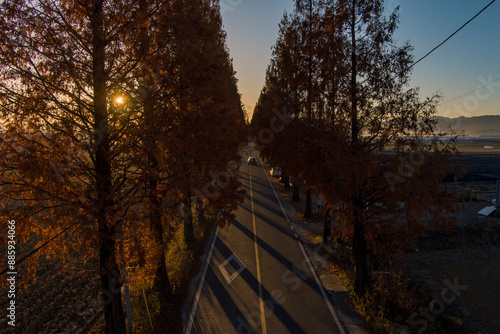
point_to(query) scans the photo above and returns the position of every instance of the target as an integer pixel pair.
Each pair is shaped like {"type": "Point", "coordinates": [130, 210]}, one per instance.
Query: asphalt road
{"type": "Point", "coordinates": [258, 278]}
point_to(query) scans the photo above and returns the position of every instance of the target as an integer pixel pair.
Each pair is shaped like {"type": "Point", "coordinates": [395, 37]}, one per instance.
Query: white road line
{"type": "Point", "coordinates": [313, 271]}
{"type": "Point", "coordinates": [261, 300]}
{"type": "Point", "coordinates": [275, 194]}
{"type": "Point", "coordinates": [225, 273]}
{"type": "Point", "coordinates": [328, 303]}
{"type": "Point", "coordinates": [200, 286]}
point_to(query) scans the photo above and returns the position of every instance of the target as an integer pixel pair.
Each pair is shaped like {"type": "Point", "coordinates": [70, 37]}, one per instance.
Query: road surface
{"type": "Point", "coordinates": [258, 278]}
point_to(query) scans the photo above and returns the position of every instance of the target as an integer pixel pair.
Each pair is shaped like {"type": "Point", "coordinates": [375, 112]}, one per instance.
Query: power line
{"type": "Point", "coordinates": [456, 31]}
{"type": "Point", "coordinates": [475, 90]}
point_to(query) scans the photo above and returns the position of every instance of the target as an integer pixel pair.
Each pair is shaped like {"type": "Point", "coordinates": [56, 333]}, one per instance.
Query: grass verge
{"type": "Point", "coordinates": [182, 265]}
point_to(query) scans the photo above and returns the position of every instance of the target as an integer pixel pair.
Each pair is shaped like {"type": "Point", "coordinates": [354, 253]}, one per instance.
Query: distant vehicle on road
{"type": "Point", "coordinates": [252, 161]}
{"type": "Point", "coordinates": [275, 172]}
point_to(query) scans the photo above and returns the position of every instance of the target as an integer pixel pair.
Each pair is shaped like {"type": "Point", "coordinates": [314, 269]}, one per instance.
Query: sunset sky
{"type": "Point", "coordinates": [469, 60]}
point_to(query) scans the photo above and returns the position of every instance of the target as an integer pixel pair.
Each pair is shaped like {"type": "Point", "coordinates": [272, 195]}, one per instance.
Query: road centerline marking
{"type": "Point", "coordinates": [261, 301]}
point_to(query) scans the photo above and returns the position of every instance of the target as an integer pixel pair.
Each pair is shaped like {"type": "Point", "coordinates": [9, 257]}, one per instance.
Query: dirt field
{"type": "Point", "coordinates": [470, 255]}
{"type": "Point", "coordinates": [476, 271]}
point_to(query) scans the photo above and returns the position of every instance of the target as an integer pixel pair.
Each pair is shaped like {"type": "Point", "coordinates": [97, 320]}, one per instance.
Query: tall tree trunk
{"type": "Point", "coordinates": [296, 195]}
{"type": "Point", "coordinates": [359, 248]}
{"type": "Point", "coordinates": [308, 211]}
{"type": "Point", "coordinates": [286, 180]}
{"type": "Point", "coordinates": [111, 286]}
{"type": "Point", "coordinates": [188, 221]}
{"type": "Point", "coordinates": [310, 76]}
{"type": "Point", "coordinates": [327, 226]}
{"type": "Point", "coordinates": [360, 255]}
{"type": "Point", "coordinates": [354, 74]}
{"type": "Point", "coordinates": [201, 214]}
{"type": "Point", "coordinates": [110, 283]}
{"type": "Point", "coordinates": [202, 219]}
{"type": "Point", "coordinates": [161, 283]}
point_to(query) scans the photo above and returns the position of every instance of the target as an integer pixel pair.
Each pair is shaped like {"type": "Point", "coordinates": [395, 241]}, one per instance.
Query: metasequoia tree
{"type": "Point", "coordinates": [152, 91]}
{"type": "Point", "coordinates": [371, 145]}
{"type": "Point", "coordinates": [391, 132]}
{"type": "Point", "coordinates": [183, 116]}
{"type": "Point", "coordinates": [66, 169]}
{"type": "Point", "coordinates": [208, 116]}
{"type": "Point", "coordinates": [305, 22]}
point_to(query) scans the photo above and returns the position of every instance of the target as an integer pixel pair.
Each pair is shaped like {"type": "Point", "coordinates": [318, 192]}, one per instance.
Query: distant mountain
{"type": "Point", "coordinates": [473, 126]}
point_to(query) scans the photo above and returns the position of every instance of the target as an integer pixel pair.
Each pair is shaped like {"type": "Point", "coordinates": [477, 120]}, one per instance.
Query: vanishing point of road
{"type": "Point", "coordinates": [258, 278]}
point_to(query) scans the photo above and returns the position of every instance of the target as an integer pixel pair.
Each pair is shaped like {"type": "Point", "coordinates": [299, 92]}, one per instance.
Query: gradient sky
{"type": "Point", "coordinates": [467, 61]}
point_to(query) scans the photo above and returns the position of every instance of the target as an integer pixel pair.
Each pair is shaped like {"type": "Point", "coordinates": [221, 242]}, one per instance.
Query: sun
{"type": "Point", "coordinates": [119, 100]}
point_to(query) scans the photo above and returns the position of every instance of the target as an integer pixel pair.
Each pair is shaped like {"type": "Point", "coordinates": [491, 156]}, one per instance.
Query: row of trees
{"type": "Point", "coordinates": [118, 117]}
{"type": "Point", "coordinates": [356, 132]}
